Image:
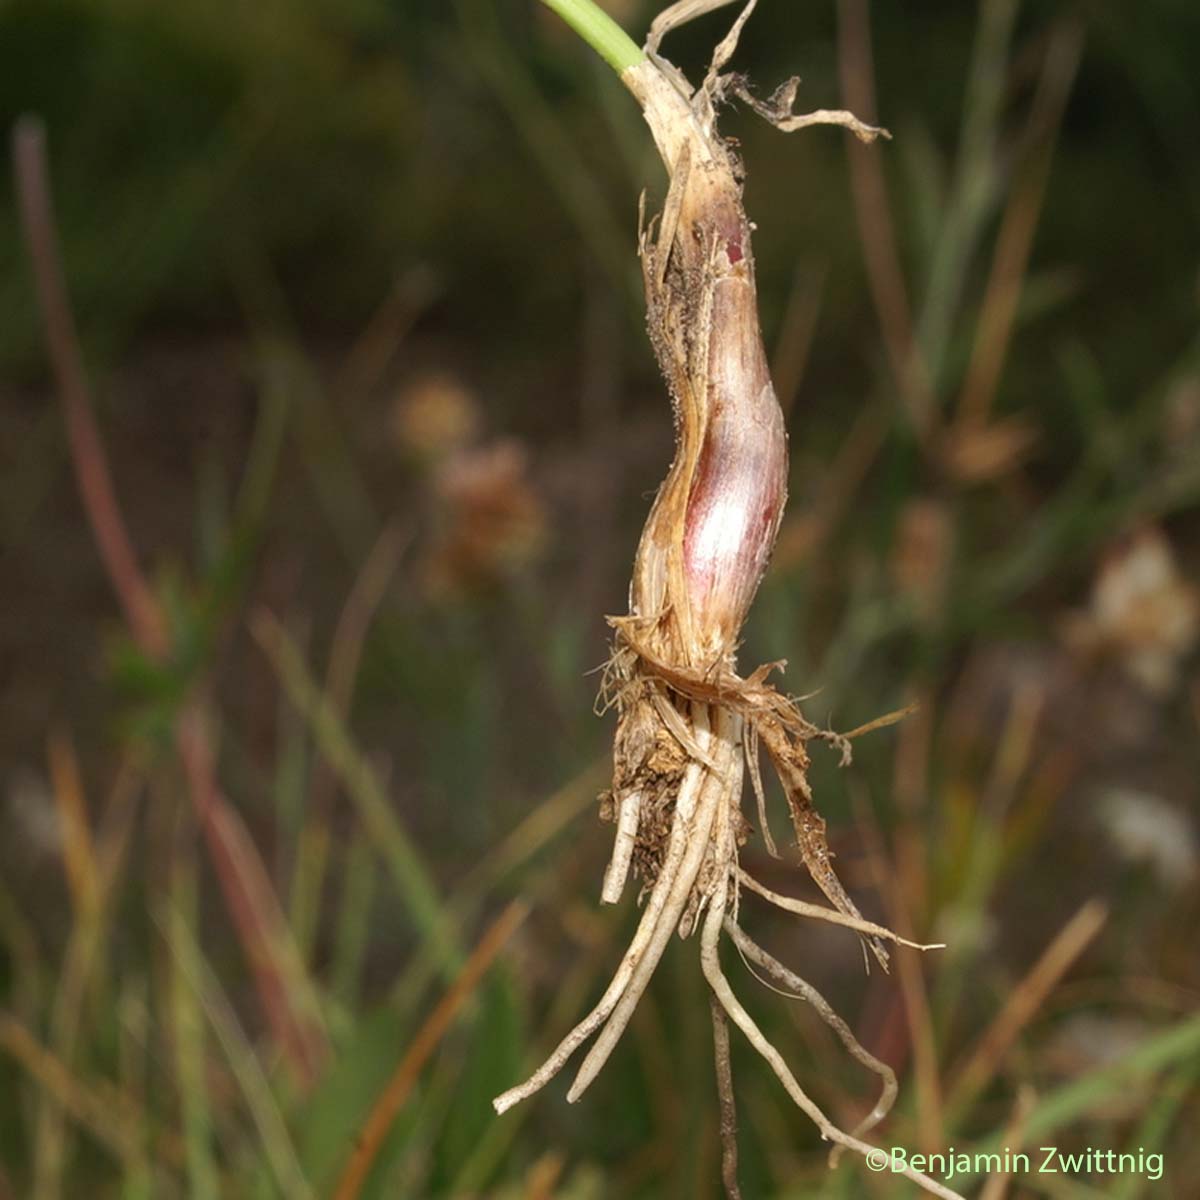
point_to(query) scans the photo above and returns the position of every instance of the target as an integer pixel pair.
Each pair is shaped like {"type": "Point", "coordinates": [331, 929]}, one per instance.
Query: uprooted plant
{"type": "Point", "coordinates": [689, 723]}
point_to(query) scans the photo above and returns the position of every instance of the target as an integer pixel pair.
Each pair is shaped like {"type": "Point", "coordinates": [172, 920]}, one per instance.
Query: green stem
{"type": "Point", "coordinates": [600, 32]}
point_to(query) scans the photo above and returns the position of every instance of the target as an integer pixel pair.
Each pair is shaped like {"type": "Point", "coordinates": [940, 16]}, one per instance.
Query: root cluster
{"type": "Point", "coordinates": [676, 802]}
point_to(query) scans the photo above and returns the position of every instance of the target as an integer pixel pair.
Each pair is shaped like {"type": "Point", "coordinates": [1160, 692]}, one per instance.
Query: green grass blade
{"type": "Point", "coordinates": [1172, 1046]}
{"type": "Point", "coordinates": [247, 1070]}
{"type": "Point", "coordinates": [188, 1044]}
{"type": "Point", "coordinates": [407, 867]}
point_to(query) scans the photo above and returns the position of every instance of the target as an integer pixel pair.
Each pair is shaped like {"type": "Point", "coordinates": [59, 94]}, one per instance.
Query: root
{"type": "Point", "coordinates": [714, 795]}
{"type": "Point", "coordinates": [689, 792]}
{"type": "Point", "coordinates": [776, 721]}
{"type": "Point", "coordinates": [628, 814]}
{"type": "Point", "coordinates": [699, 868]}
{"type": "Point", "coordinates": [791, 762]}
{"type": "Point", "coordinates": [680, 845]}
{"type": "Point", "coordinates": [817, 912]}
{"type": "Point", "coordinates": [760, 795]}
{"type": "Point", "coordinates": [711, 964]}
{"type": "Point", "coordinates": [725, 1098]}
{"type": "Point", "coordinates": [801, 989]}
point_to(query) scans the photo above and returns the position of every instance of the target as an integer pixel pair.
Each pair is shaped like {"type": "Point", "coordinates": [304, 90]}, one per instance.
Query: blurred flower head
{"type": "Point", "coordinates": [974, 453]}
{"type": "Point", "coordinates": [490, 521]}
{"type": "Point", "coordinates": [32, 816]}
{"type": "Point", "coordinates": [921, 554]}
{"type": "Point", "coordinates": [1145, 828]}
{"type": "Point", "coordinates": [434, 416]}
{"type": "Point", "coordinates": [1142, 612]}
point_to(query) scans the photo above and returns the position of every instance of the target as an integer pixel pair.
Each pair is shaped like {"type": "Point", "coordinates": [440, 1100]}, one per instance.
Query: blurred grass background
{"type": "Point", "coordinates": [358, 298]}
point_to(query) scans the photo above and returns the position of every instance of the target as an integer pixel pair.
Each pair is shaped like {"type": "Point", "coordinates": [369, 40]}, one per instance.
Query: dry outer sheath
{"type": "Point", "coordinates": [715, 520]}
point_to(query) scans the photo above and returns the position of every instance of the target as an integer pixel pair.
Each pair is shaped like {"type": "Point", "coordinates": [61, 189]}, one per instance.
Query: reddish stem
{"type": "Point", "coordinates": [244, 881]}
{"type": "Point", "coordinates": [87, 452]}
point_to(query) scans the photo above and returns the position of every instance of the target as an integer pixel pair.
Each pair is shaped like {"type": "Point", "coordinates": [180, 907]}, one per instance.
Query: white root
{"type": "Point", "coordinates": [820, 913]}
{"type": "Point", "coordinates": [689, 792]}
{"type": "Point", "coordinates": [628, 814]}
{"type": "Point", "coordinates": [801, 989]}
{"type": "Point", "coordinates": [760, 795]}
{"type": "Point", "coordinates": [710, 962]}
{"type": "Point", "coordinates": [714, 795]}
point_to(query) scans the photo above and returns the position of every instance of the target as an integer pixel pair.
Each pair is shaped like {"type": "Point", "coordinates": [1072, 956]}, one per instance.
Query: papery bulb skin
{"type": "Point", "coordinates": [709, 537]}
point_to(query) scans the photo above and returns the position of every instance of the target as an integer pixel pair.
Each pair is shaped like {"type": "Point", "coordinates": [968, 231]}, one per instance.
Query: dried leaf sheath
{"type": "Point", "coordinates": [713, 525]}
